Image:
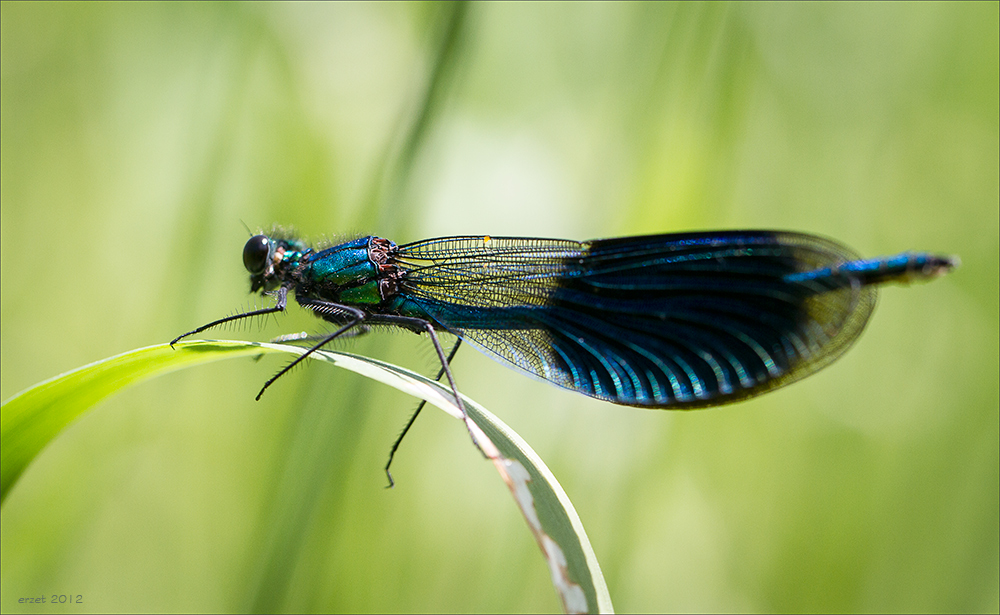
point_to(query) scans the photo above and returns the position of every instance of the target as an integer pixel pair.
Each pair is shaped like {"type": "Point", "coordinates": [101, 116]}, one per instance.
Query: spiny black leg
{"type": "Point", "coordinates": [326, 340]}
{"type": "Point", "coordinates": [451, 380]}
{"type": "Point", "coordinates": [395, 445]}
{"type": "Point", "coordinates": [420, 325]}
{"type": "Point", "coordinates": [278, 307]}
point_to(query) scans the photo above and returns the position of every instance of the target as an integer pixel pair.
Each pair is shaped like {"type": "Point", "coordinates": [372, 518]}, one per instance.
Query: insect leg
{"type": "Point", "coordinates": [356, 317]}
{"type": "Point", "coordinates": [422, 325]}
{"type": "Point", "coordinates": [451, 380]}
{"type": "Point", "coordinates": [278, 307]}
{"type": "Point", "coordinates": [423, 402]}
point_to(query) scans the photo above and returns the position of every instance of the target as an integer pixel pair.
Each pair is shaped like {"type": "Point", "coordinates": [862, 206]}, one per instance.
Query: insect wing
{"type": "Point", "coordinates": [681, 320]}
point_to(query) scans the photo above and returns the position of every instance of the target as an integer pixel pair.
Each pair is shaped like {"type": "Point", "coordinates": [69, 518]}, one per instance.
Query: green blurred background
{"type": "Point", "coordinates": [136, 139]}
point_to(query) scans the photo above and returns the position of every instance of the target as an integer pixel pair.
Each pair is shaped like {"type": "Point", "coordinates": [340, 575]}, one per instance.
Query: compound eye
{"type": "Point", "coordinates": [256, 254]}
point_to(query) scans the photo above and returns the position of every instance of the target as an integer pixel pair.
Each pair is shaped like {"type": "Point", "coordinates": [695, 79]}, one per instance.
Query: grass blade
{"type": "Point", "coordinates": [34, 417]}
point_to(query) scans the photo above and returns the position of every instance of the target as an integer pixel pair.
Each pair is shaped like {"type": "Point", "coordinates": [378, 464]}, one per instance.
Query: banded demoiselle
{"type": "Point", "coordinates": [666, 321]}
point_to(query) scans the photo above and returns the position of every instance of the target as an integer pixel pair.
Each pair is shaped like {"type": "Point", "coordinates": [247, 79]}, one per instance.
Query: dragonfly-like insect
{"type": "Point", "coordinates": [674, 321]}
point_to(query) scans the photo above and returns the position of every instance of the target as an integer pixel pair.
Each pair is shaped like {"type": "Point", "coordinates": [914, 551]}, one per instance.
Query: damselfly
{"type": "Point", "coordinates": [667, 321]}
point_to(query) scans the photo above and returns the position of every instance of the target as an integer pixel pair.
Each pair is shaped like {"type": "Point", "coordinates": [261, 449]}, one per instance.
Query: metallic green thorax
{"type": "Point", "coordinates": [354, 273]}
{"type": "Point", "coordinates": [357, 273]}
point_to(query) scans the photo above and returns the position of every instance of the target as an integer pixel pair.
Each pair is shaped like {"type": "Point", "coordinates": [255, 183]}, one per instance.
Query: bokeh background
{"type": "Point", "coordinates": [137, 140]}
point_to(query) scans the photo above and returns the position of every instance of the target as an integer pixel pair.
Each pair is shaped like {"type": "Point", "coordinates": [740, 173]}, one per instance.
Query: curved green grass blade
{"type": "Point", "coordinates": [34, 417]}
{"type": "Point", "coordinates": [576, 574]}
